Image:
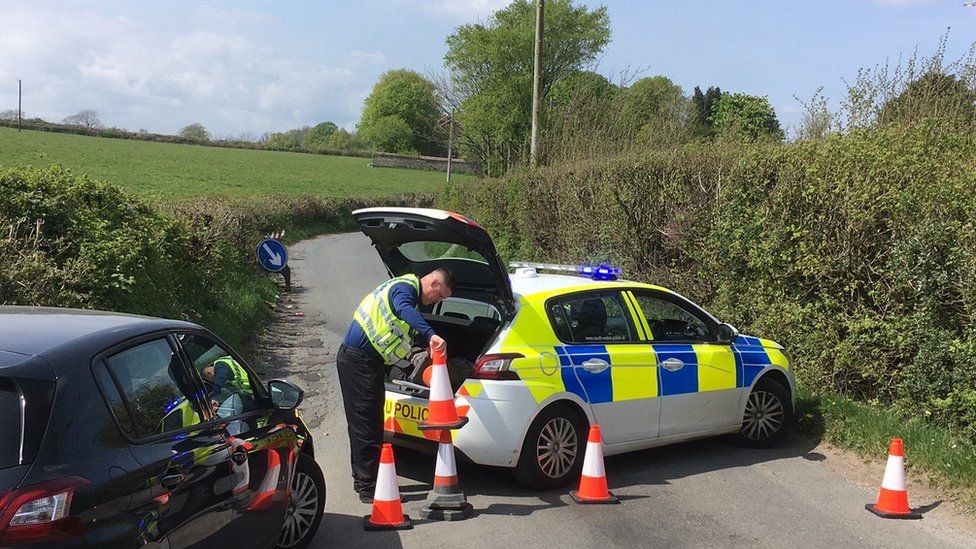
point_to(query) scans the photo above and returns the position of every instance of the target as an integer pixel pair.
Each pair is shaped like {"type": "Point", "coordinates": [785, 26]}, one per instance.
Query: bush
{"type": "Point", "coordinates": [857, 252]}
{"type": "Point", "coordinates": [74, 242]}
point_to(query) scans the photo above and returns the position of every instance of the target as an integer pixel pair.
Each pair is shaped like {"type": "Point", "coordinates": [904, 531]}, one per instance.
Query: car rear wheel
{"type": "Point", "coordinates": [767, 416]}
{"type": "Point", "coordinates": [305, 506]}
{"type": "Point", "coordinates": [552, 453]}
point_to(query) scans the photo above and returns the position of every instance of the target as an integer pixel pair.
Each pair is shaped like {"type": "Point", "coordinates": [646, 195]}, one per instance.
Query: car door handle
{"type": "Point", "coordinates": [172, 480]}
{"type": "Point", "coordinates": [672, 365]}
{"type": "Point", "coordinates": [595, 365]}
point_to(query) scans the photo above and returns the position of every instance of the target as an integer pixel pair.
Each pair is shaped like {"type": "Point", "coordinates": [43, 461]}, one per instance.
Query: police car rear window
{"type": "Point", "coordinates": [11, 428]}
{"type": "Point", "coordinates": [591, 318]}
{"type": "Point", "coordinates": [421, 251]}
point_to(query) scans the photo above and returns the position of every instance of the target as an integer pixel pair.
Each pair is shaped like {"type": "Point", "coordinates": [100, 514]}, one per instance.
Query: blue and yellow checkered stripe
{"type": "Point", "coordinates": [634, 372]}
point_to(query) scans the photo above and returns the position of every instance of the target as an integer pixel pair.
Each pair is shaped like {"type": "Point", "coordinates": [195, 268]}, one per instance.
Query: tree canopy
{"type": "Point", "coordinates": [195, 132]}
{"type": "Point", "coordinates": [491, 68]}
{"type": "Point", "coordinates": [401, 113]}
{"type": "Point", "coordinates": [744, 117]}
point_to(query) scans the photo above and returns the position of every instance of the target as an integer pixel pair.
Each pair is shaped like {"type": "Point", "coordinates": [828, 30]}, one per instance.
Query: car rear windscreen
{"type": "Point", "coordinates": [12, 425]}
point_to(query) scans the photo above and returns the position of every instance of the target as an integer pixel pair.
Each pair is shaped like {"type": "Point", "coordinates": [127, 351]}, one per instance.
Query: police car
{"type": "Point", "coordinates": [556, 348]}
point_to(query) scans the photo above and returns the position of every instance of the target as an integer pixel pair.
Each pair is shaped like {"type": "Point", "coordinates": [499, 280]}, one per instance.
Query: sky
{"type": "Point", "coordinates": [249, 67]}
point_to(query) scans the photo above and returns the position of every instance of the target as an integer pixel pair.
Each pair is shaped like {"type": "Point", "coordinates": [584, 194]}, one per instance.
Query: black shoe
{"type": "Point", "coordinates": [365, 497]}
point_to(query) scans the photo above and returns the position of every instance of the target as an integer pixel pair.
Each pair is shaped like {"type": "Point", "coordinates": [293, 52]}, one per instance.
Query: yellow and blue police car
{"type": "Point", "coordinates": [539, 354]}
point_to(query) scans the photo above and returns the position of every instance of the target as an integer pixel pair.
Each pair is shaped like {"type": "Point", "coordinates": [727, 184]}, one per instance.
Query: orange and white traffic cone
{"type": "Point", "coordinates": [387, 510]}
{"type": "Point", "coordinates": [266, 491]}
{"type": "Point", "coordinates": [593, 482]}
{"type": "Point", "coordinates": [441, 412]}
{"type": "Point", "coordinates": [446, 501]}
{"type": "Point", "coordinates": [893, 498]}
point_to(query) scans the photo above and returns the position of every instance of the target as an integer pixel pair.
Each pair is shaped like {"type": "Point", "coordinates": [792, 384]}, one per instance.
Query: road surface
{"type": "Point", "coordinates": [700, 494]}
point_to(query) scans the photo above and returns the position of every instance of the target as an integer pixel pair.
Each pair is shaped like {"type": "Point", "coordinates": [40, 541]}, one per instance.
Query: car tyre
{"type": "Point", "coordinates": [767, 417]}
{"type": "Point", "coordinates": [553, 449]}
{"type": "Point", "coordinates": [305, 507]}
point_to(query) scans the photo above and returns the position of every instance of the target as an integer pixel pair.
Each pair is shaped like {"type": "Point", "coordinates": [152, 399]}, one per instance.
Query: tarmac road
{"type": "Point", "coordinates": [700, 494]}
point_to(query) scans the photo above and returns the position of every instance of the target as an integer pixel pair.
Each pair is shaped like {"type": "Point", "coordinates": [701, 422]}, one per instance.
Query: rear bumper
{"type": "Point", "coordinates": [499, 413]}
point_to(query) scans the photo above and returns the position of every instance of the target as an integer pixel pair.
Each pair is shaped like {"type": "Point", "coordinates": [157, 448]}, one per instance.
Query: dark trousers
{"type": "Point", "coordinates": [361, 378]}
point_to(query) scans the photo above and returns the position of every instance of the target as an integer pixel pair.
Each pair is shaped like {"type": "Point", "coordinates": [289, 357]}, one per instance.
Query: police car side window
{"type": "Point", "coordinates": [669, 322]}
{"type": "Point", "coordinates": [149, 381]}
{"type": "Point", "coordinates": [229, 388]}
{"type": "Point", "coordinates": [591, 318]}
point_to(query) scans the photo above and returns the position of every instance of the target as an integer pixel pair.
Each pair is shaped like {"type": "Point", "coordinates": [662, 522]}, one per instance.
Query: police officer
{"type": "Point", "coordinates": [384, 327]}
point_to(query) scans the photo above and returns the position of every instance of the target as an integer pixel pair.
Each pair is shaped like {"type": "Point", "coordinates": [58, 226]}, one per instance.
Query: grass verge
{"type": "Point", "coordinates": [946, 459]}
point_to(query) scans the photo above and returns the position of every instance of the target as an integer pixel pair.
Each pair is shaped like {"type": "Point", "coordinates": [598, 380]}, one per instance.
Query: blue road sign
{"type": "Point", "coordinates": [272, 255]}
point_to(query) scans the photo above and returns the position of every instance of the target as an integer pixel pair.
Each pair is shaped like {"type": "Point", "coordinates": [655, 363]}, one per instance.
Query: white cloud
{"type": "Point", "coordinates": [139, 72]}
{"type": "Point", "coordinates": [464, 10]}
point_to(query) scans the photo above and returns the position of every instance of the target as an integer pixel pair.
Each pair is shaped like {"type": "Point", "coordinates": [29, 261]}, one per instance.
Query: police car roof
{"type": "Point", "coordinates": [30, 331]}
{"type": "Point", "coordinates": [544, 282]}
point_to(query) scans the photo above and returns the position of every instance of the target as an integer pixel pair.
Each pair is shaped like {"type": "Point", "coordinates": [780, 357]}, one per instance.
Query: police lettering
{"type": "Point", "coordinates": [406, 411]}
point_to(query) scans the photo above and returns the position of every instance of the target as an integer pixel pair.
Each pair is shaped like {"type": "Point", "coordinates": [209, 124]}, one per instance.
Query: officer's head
{"type": "Point", "coordinates": [436, 286]}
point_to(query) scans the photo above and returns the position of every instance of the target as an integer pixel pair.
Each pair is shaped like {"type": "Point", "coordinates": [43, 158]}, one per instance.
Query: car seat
{"type": "Point", "coordinates": [591, 320]}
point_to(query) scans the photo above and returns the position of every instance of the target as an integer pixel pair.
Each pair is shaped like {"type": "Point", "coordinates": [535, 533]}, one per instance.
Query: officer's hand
{"type": "Point", "coordinates": [437, 343]}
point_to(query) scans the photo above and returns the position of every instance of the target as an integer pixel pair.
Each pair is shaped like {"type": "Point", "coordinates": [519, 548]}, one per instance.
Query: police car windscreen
{"type": "Point", "coordinates": [11, 425]}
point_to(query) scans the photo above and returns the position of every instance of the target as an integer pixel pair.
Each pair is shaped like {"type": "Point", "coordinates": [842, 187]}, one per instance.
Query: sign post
{"type": "Point", "coordinates": [273, 257]}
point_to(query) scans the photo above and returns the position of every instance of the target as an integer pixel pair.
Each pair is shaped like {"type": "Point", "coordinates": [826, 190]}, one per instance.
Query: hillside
{"type": "Point", "coordinates": [172, 170]}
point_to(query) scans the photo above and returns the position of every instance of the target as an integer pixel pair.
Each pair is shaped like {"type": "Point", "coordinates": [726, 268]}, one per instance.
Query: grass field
{"type": "Point", "coordinates": [170, 170]}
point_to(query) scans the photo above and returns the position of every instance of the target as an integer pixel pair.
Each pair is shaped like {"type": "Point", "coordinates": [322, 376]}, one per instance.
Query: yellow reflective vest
{"type": "Point", "coordinates": [390, 336]}
{"type": "Point", "coordinates": [240, 381]}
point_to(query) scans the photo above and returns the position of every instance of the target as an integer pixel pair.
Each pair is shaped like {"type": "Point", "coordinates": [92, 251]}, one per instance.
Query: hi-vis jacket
{"type": "Point", "coordinates": [389, 335]}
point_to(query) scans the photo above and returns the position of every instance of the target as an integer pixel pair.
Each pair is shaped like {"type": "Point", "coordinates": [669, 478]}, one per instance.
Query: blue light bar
{"type": "Point", "coordinates": [600, 272]}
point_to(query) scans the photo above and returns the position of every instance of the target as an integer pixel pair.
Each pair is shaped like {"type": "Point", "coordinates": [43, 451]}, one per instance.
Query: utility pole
{"type": "Point", "coordinates": [19, 97]}
{"type": "Point", "coordinates": [450, 144]}
{"type": "Point", "coordinates": [537, 82]}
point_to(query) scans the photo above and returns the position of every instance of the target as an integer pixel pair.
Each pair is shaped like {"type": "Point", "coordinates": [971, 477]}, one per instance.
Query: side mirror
{"type": "Point", "coordinates": [285, 395]}
{"type": "Point", "coordinates": [727, 333]}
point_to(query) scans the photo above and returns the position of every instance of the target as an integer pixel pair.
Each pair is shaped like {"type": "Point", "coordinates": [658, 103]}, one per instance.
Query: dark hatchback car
{"type": "Point", "coordinates": [128, 431]}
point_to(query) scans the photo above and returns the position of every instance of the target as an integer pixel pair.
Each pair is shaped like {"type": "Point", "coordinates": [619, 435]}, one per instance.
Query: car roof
{"type": "Point", "coordinates": [545, 285]}
{"type": "Point", "coordinates": [36, 330]}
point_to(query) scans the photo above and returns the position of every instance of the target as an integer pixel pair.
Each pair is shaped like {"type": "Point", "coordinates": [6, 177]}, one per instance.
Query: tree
{"type": "Point", "coordinates": [86, 119]}
{"type": "Point", "coordinates": [579, 86]}
{"type": "Point", "coordinates": [702, 107]}
{"type": "Point", "coordinates": [342, 140]}
{"type": "Point", "coordinates": [195, 132]}
{"type": "Point", "coordinates": [655, 108]}
{"type": "Point", "coordinates": [401, 113]}
{"type": "Point", "coordinates": [742, 117]}
{"type": "Point", "coordinates": [318, 136]}
{"type": "Point", "coordinates": [491, 72]}
{"type": "Point", "coordinates": [9, 114]}
{"type": "Point", "coordinates": [933, 95]}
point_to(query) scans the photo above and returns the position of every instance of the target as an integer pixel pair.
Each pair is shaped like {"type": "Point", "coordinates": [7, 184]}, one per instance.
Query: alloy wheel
{"type": "Point", "coordinates": [557, 447]}
{"type": "Point", "coordinates": [763, 417]}
{"type": "Point", "coordinates": [302, 507]}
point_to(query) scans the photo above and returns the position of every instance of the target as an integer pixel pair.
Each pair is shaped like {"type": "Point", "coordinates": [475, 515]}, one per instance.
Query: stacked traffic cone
{"type": "Point", "coordinates": [387, 510]}
{"type": "Point", "coordinates": [446, 501]}
{"type": "Point", "coordinates": [893, 498]}
{"type": "Point", "coordinates": [441, 413]}
{"type": "Point", "coordinates": [593, 482]}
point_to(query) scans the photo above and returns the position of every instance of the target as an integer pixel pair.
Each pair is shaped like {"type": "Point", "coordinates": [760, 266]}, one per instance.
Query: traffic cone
{"type": "Point", "coordinates": [441, 413]}
{"type": "Point", "coordinates": [266, 491]}
{"type": "Point", "coordinates": [446, 501]}
{"type": "Point", "coordinates": [893, 498]}
{"type": "Point", "coordinates": [593, 482]}
{"type": "Point", "coordinates": [387, 511]}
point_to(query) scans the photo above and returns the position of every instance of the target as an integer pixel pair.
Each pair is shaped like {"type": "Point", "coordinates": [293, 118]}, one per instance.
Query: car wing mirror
{"type": "Point", "coordinates": [285, 395]}
{"type": "Point", "coordinates": [727, 333]}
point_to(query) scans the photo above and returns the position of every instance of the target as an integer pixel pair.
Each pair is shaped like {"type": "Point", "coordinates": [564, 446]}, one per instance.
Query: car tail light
{"type": "Point", "coordinates": [40, 512]}
{"type": "Point", "coordinates": [495, 366]}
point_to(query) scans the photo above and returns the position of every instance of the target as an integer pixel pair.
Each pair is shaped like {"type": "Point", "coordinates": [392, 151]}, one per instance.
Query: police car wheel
{"type": "Point", "coordinates": [552, 453]}
{"type": "Point", "coordinates": [305, 506]}
{"type": "Point", "coordinates": [767, 417]}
